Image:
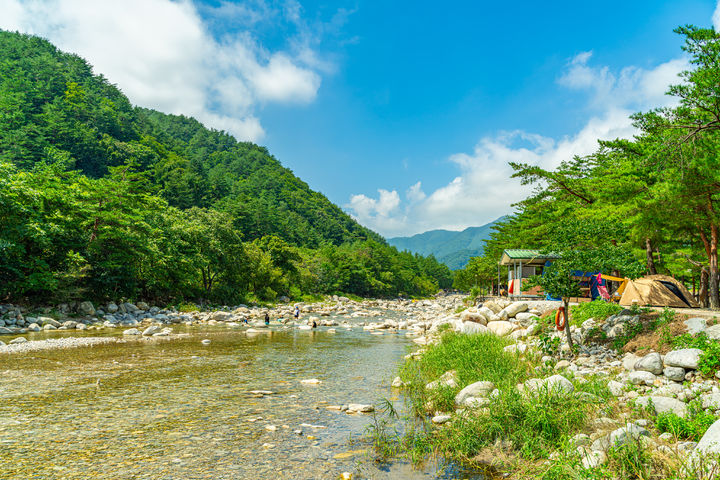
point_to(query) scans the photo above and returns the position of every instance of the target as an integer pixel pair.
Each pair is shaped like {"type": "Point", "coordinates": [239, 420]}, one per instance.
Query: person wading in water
{"type": "Point", "coordinates": [267, 318]}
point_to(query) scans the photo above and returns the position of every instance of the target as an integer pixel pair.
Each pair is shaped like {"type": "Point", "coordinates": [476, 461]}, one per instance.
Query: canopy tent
{"type": "Point", "coordinates": [658, 291]}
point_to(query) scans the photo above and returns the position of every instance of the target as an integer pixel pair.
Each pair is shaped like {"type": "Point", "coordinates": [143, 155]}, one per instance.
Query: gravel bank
{"type": "Point", "coordinates": [54, 343]}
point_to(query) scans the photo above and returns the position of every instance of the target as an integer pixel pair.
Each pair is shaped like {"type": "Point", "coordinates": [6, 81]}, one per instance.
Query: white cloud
{"type": "Point", "coordinates": [484, 191]}
{"type": "Point", "coordinates": [716, 17]}
{"type": "Point", "coordinates": [161, 54]}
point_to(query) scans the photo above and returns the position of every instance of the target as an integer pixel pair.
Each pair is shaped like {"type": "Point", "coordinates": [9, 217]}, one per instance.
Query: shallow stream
{"type": "Point", "coordinates": [177, 409]}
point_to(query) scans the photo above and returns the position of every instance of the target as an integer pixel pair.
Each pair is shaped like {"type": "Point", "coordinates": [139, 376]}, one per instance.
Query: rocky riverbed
{"type": "Point", "coordinates": [210, 397]}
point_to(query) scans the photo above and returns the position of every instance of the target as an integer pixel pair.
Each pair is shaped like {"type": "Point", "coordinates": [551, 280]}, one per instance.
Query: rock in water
{"type": "Point", "coordinates": [132, 331]}
{"type": "Point", "coordinates": [311, 381]}
{"type": "Point", "coordinates": [206, 341]}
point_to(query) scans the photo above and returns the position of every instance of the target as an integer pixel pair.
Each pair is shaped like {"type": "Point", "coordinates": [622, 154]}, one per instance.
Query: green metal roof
{"type": "Point", "coordinates": [524, 254]}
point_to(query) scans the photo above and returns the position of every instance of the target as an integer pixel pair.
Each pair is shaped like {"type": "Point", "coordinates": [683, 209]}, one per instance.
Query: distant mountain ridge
{"type": "Point", "coordinates": [454, 249]}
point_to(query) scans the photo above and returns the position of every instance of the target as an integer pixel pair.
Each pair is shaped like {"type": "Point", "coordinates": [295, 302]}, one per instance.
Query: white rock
{"type": "Point", "coordinates": [641, 378]}
{"type": "Point", "coordinates": [652, 362]}
{"type": "Point", "coordinates": [500, 328]}
{"type": "Point", "coordinates": [676, 374]}
{"type": "Point", "coordinates": [710, 400]}
{"type": "Point", "coordinates": [206, 341]}
{"type": "Point", "coordinates": [151, 330]}
{"type": "Point", "coordinates": [447, 379]}
{"type": "Point", "coordinates": [360, 408]}
{"type": "Point", "coordinates": [440, 419]}
{"type": "Point", "coordinates": [311, 381]}
{"type": "Point", "coordinates": [709, 444]}
{"type": "Point", "coordinates": [592, 458]}
{"type": "Point", "coordinates": [477, 389]}
{"type": "Point", "coordinates": [695, 325]}
{"type": "Point", "coordinates": [616, 388]}
{"type": "Point", "coordinates": [685, 358]}
{"type": "Point", "coordinates": [473, 316]}
{"type": "Point", "coordinates": [132, 331]}
{"type": "Point", "coordinates": [663, 405]}
{"type": "Point", "coordinates": [18, 340]}
{"type": "Point", "coordinates": [623, 434]}
{"type": "Point", "coordinates": [471, 328]}
{"type": "Point", "coordinates": [515, 308]}
{"type": "Point", "coordinates": [713, 332]}
{"type": "Point", "coordinates": [397, 383]}
{"type": "Point", "coordinates": [629, 361]}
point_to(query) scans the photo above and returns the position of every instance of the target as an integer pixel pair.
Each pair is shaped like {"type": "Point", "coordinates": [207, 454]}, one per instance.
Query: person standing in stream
{"type": "Point", "coordinates": [267, 318]}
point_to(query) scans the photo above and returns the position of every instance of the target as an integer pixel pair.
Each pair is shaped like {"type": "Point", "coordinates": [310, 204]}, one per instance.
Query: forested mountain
{"type": "Point", "coordinates": [103, 198]}
{"type": "Point", "coordinates": [454, 249]}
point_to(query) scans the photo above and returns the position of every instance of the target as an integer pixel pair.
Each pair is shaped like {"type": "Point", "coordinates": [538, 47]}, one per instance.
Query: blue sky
{"type": "Point", "coordinates": [403, 113]}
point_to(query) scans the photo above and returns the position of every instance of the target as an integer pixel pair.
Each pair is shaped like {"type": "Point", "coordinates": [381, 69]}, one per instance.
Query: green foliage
{"type": "Point", "coordinates": [597, 309]}
{"type": "Point", "coordinates": [99, 198]}
{"type": "Point", "coordinates": [692, 427]}
{"type": "Point", "coordinates": [630, 460]}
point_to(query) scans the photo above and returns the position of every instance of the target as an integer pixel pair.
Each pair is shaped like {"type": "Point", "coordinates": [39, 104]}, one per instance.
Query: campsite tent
{"type": "Point", "coordinates": [657, 291]}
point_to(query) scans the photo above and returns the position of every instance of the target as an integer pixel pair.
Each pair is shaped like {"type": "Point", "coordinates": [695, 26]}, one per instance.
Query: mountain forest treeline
{"type": "Point", "coordinates": [657, 195]}
{"type": "Point", "coordinates": [100, 199]}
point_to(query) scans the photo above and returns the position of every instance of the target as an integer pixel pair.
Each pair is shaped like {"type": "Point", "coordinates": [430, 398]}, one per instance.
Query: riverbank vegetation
{"type": "Point", "coordinates": [530, 429]}
{"type": "Point", "coordinates": [660, 187]}
{"type": "Point", "coordinates": [100, 199]}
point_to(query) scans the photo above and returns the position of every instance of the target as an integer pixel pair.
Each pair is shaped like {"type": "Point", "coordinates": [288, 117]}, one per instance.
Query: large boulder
{"type": "Point", "coordinates": [500, 328]}
{"type": "Point", "coordinates": [86, 308]}
{"type": "Point", "coordinates": [651, 362]}
{"type": "Point", "coordinates": [676, 374]}
{"type": "Point", "coordinates": [221, 316]}
{"type": "Point", "coordinates": [685, 358]}
{"type": "Point", "coordinates": [695, 325]}
{"type": "Point", "coordinates": [629, 361]}
{"type": "Point", "coordinates": [471, 328]}
{"type": "Point", "coordinates": [111, 307]}
{"type": "Point", "coordinates": [478, 389]}
{"type": "Point", "coordinates": [713, 332]}
{"type": "Point", "coordinates": [151, 330]}
{"type": "Point", "coordinates": [47, 320]}
{"type": "Point", "coordinates": [492, 306]}
{"type": "Point", "coordinates": [709, 444]}
{"type": "Point", "coordinates": [515, 308]}
{"type": "Point", "coordinates": [663, 405]}
{"type": "Point", "coordinates": [642, 377]}
{"type": "Point", "coordinates": [488, 314]}
{"type": "Point", "coordinates": [473, 316]}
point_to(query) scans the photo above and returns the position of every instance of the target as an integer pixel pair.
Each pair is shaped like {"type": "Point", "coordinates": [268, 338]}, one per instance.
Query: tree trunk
{"type": "Point", "coordinates": [703, 295]}
{"type": "Point", "coordinates": [649, 254]}
{"type": "Point", "coordinates": [713, 294]}
{"type": "Point", "coordinates": [566, 316]}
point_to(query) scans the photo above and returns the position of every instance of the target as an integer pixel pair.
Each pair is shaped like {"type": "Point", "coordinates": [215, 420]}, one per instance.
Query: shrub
{"type": "Point", "coordinates": [692, 427]}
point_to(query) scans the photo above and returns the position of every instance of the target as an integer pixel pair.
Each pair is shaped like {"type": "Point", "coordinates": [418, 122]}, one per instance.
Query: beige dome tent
{"type": "Point", "coordinates": [657, 291]}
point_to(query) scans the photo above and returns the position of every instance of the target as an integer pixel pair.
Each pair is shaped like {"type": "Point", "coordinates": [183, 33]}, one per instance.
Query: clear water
{"type": "Point", "coordinates": [181, 410]}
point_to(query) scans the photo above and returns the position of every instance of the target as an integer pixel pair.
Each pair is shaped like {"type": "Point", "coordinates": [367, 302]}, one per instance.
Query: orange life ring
{"type": "Point", "coordinates": [560, 324]}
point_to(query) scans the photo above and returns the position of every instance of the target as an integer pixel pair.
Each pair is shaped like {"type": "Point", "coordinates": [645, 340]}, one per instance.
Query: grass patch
{"type": "Point", "coordinates": [473, 357]}
{"type": "Point", "coordinates": [597, 309]}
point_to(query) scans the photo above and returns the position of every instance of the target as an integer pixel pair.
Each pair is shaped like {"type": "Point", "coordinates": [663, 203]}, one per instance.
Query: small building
{"type": "Point", "coordinates": [523, 264]}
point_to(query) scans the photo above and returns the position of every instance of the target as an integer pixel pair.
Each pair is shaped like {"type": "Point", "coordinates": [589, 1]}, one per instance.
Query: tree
{"type": "Point", "coordinates": [586, 246]}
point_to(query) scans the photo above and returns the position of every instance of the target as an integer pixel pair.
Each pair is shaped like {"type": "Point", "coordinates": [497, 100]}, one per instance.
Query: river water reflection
{"type": "Point", "coordinates": [178, 409]}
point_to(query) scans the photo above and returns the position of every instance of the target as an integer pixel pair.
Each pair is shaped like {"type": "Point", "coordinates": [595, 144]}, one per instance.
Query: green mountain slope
{"type": "Point", "coordinates": [99, 196]}
{"type": "Point", "coordinates": [454, 249]}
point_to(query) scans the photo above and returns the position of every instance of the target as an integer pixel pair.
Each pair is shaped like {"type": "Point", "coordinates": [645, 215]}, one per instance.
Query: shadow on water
{"type": "Point", "coordinates": [182, 410]}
